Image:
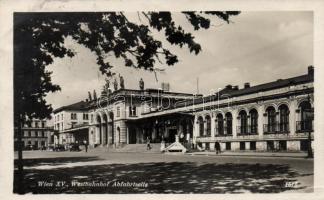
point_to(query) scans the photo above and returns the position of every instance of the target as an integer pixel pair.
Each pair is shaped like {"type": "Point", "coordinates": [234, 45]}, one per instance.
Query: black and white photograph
{"type": "Point", "coordinates": [204, 101]}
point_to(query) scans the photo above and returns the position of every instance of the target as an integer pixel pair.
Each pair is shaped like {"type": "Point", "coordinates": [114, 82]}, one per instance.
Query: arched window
{"type": "Point", "coordinates": [254, 121]}
{"type": "Point", "coordinates": [271, 114]}
{"type": "Point", "coordinates": [243, 122]}
{"type": "Point", "coordinates": [306, 117]}
{"type": "Point", "coordinates": [220, 124]}
{"type": "Point", "coordinates": [305, 111]}
{"type": "Point", "coordinates": [283, 118]}
{"type": "Point", "coordinates": [208, 125]}
{"type": "Point", "coordinates": [201, 126]}
{"type": "Point", "coordinates": [229, 123]}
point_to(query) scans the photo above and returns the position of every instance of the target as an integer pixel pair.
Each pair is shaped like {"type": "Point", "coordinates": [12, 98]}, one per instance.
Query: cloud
{"type": "Point", "coordinates": [258, 47]}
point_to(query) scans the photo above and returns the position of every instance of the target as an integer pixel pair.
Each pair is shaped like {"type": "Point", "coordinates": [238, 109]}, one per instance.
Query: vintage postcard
{"type": "Point", "coordinates": [159, 99]}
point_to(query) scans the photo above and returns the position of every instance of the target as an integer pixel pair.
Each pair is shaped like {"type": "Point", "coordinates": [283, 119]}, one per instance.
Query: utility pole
{"type": "Point", "coordinates": [309, 125]}
{"type": "Point", "coordinates": [197, 85]}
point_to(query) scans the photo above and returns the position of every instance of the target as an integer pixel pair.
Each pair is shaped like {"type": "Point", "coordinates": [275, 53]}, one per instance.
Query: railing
{"type": "Point", "coordinates": [304, 126]}
{"type": "Point", "coordinates": [247, 130]}
{"type": "Point", "coordinates": [223, 132]}
{"type": "Point", "coordinates": [223, 135]}
{"type": "Point", "coordinates": [276, 128]}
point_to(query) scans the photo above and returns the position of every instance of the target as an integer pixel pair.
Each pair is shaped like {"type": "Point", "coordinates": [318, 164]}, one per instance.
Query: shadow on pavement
{"type": "Point", "coordinates": [161, 177]}
{"type": "Point", "coordinates": [56, 161]}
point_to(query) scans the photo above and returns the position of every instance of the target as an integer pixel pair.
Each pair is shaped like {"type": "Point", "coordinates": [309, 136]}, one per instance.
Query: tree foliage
{"type": "Point", "coordinates": [39, 37]}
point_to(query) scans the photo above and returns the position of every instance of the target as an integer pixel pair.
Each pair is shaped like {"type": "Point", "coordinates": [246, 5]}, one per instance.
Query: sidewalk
{"type": "Point", "coordinates": [252, 154]}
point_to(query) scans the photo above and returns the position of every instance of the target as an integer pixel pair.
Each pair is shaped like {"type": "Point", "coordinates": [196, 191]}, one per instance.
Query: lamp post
{"type": "Point", "coordinates": [308, 124]}
{"type": "Point", "coordinates": [310, 150]}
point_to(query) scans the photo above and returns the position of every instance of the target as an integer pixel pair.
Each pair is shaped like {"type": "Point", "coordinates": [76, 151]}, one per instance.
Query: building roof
{"type": "Point", "coordinates": [232, 92]}
{"type": "Point", "coordinates": [79, 106]}
{"type": "Point", "coordinates": [147, 94]}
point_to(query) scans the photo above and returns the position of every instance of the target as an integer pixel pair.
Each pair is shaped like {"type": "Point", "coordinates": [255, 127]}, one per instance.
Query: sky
{"type": "Point", "coordinates": [256, 47]}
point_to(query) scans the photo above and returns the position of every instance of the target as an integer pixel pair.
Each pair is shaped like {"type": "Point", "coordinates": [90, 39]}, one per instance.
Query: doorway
{"type": "Point", "coordinates": [172, 134]}
{"type": "Point", "coordinates": [132, 136]}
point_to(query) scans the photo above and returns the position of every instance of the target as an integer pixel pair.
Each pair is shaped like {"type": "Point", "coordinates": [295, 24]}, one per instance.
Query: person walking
{"type": "Point", "coordinates": [85, 145]}
{"type": "Point", "coordinates": [217, 147]}
{"type": "Point", "coordinates": [148, 144]}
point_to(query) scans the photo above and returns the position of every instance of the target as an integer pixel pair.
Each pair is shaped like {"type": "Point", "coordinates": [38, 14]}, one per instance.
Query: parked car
{"type": "Point", "coordinates": [74, 147]}
{"type": "Point", "coordinates": [59, 148]}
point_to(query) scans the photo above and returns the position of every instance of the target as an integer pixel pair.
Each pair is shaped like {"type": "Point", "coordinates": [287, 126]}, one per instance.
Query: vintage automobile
{"type": "Point", "coordinates": [74, 147]}
{"type": "Point", "coordinates": [59, 148]}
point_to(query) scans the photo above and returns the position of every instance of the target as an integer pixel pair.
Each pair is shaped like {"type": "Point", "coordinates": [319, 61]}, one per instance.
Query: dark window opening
{"type": "Point", "coordinates": [252, 145]}
{"type": "Point", "coordinates": [242, 145]}
{"type": "Point", "coordinates": [228, 146]}
{"type": "Point", "coordinates": [270, 146]}
{"type": "Point", "coordinates": [282, 145]}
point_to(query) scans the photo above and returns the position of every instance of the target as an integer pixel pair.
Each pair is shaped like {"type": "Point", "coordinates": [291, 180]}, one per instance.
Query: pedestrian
{"type": "Point", "coordinates": [148, 144]}
{"type": "Point", "coordinates": [85, 145]}
{"type": "Point", "coordinates": [217, 147]}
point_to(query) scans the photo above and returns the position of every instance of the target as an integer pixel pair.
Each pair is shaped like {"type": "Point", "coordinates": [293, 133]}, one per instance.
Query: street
{"type": "Point", "coordinates": [108, 172]}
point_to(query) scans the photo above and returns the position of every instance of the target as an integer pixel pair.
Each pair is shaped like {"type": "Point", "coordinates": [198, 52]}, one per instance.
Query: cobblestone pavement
{"type": "Point", "coordinates": [106, 172]}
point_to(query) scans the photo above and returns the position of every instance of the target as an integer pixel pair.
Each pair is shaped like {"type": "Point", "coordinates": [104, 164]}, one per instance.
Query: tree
{"type": "Point", "coordinates": [89, 96]}
{"type": "Point", "coordinates": [94, 95]}
{"type": "Point", "coordinates": [39, 37]}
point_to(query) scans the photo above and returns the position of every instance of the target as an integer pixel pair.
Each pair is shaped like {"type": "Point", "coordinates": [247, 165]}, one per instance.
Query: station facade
{"type": "Point", "coordinates": [274, 116]}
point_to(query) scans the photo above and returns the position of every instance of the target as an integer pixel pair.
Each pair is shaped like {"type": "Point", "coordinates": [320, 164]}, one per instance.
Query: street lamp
{"type": "Point", "coordinates": [309, 127]}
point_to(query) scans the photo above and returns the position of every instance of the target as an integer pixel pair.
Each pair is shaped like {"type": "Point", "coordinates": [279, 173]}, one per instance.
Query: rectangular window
{"type": "Point", "coordinates": [85, 116]}
{"type": "Point", "coordinates": [228, 146]}
{"type": "Point", "coordinates": [25, 134]}
{"type": "Point", "coordinates": [252, 145]}
{"type": "Point", "coordinates": [118, 111]}
{"type": "Point", "coordinates": [207, 146]}
{"type": "Point", "coordinates": [282, 145]}
{"type": "Point", "coordinates": [91, 118]}
{"type": "Point", "coordinates": [32, 134]}
{"type": "Point", "coordinates": [36, 124]}
{"type": "Point", "coordinates": [43, 124]}
{"type": "Point", "coordinates": [73, 116]}
{"type": "Point", "coordinates": [242, 145]}
{"type": "Point", "coordinates": [270, 146]}
{"type": "Point", "coordinates": [304, 145]}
